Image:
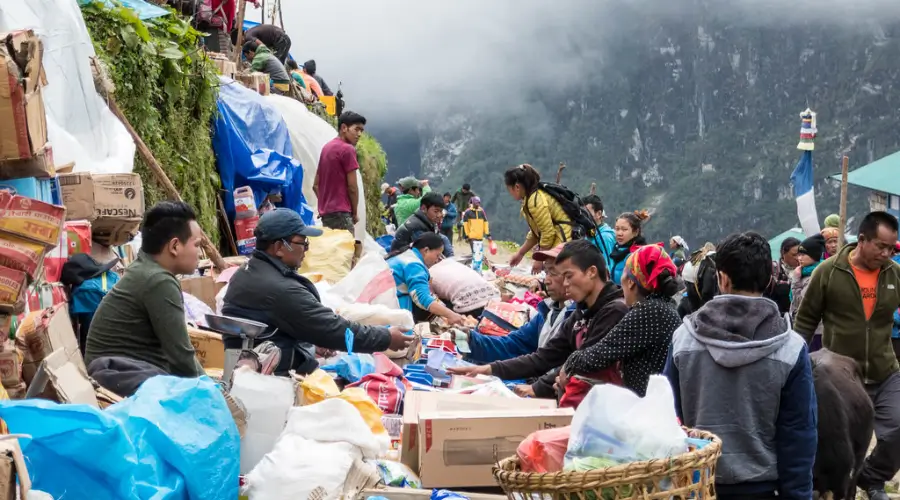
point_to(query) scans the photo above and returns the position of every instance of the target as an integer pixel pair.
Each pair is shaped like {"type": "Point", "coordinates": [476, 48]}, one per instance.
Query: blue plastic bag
{"type": "Point", "coordinates": [447, 495]}
{"type": "Point", "coordinates": [353, 367]}
{"type": "Point", "coordinates": [174, 439]}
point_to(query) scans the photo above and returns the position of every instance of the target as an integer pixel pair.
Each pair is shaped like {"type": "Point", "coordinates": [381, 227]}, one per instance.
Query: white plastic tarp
{"type": "Point", "coordinates": [80, 127]}
{"type": "Point", "coordinates": [309, 134]}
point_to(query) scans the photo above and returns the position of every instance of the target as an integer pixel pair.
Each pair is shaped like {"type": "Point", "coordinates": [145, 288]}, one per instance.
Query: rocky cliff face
{"type": "Point", "coordinates": [696, 120]}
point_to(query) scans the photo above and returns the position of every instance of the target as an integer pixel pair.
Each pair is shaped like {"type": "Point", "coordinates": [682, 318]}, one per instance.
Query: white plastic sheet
{"type": "Point", "coordinates": [80, 126]}
{"type": "Point", "coordinates": [309, 134]}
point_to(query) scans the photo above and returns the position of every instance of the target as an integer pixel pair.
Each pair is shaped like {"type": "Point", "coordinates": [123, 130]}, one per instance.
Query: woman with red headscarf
{"type": "Point", "coordinates": [637, 346]}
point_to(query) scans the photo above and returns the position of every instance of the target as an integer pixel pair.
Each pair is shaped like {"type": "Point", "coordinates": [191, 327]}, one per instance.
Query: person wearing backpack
{"type": "Point", "coordinates": [605, 237]}
{"type": "Point", "coordinates": [628, 238]}
{"type": "Point", "coordinates": [88, 282]}
{"type": "Point", "coordinates": [548, 223]}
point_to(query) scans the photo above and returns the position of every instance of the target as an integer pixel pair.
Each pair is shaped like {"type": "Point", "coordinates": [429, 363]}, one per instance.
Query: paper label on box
{"type": "Point", "coordinates": [118, 195]}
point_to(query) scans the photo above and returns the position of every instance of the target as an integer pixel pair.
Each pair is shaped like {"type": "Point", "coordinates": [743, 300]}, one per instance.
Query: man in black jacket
{"type": "Point", "coordinates": [310, 68]}
{"type": "Point", "coordinates": [269, 290]}
{"type": "Point", "coordinates": [271, 36]}
{"type": "Point", "coordinates": [426, 220]}
{"type": "Point", "coordinates": [600, 308]}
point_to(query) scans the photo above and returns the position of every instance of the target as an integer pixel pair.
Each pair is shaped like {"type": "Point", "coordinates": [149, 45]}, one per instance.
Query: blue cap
{"type": "Point", "coordinates": [282, 223]}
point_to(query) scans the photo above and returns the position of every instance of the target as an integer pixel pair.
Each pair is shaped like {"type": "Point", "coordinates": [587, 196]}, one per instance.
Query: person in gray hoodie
{"type": "Point", "coordinates": [738, 370]}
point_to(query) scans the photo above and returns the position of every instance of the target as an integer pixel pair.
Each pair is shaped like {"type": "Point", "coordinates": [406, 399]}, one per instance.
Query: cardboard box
{"type": "Point", "coordinates": [209, 347]}
{"type": "Point", "coordinates": [417, 402]}
{"type": "Point", "coordinates": [114, 231]}
{"type": "Point", "coordinates": [40, 165]}
{"type": "Point", "coordinates": [23, 121]}
{"type": "Point", "coordinates": [70, 380]}
{"type": "Point", "coordinates": [202, 287]}
{"type": "Point", "coordinates": [13, 471]}
{"type": "Point", "coordinates": [244, 228]}
{"type": "Point", "coordinates": [12, 285]}
{"type": "Point", "coordinates": [31, 219]}
{"type": "Point", "coordinates": [224, 65]}
{"type": "Point", "coordinates": [41, 333]}
{"type": "Point", "coordinates": [21, 254]}
{"type": "Point", "coordinates": [255, 81]}
{"type": "Point", "coordinates": [91, 196]}
{"type": "Point", "coordinates": [458, 449]}
{"type": "Point", "coordinates": [10, 364]}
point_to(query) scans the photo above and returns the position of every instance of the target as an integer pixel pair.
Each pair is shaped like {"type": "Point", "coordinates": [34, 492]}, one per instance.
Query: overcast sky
{"type": "Point", "coordinates": [397, 58]}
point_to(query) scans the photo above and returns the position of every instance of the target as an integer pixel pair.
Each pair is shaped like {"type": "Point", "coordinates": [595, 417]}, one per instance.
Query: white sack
{"type": "Point", "coordinates": [267, 400]}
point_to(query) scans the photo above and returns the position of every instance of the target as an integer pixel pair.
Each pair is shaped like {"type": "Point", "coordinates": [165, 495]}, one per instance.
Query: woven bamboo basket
{"type": "Point", "coordinates": [689, 475]}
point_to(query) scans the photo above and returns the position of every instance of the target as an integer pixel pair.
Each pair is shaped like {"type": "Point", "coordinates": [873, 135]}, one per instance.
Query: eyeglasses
{"type": "Point", "coordinates": [304, 244]}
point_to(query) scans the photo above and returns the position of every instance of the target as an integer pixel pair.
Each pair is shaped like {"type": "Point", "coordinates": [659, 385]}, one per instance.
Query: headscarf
{"type": "Point", "coordinates": [833, 220]}
{"type": "Point", "coordinates": [681, 244]}
{"type": "Point", "coordinates": [645, 264]}
{"type": "Point", "coordinates": [830, 232]}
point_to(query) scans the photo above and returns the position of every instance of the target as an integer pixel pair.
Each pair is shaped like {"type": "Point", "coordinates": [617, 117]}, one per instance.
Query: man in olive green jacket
{"type": "Point", "coordinates": [854, 294]}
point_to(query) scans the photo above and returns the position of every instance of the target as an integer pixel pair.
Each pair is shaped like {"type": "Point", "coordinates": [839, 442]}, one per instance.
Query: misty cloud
{"type": "Point", "coordinates": [399, 59]}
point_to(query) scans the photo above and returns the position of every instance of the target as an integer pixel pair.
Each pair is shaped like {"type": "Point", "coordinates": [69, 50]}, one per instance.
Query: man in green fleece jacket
{"type": "Point", "coordinates": [854, 294]}
{"type": "Point", "coordinates": [139, 328]}
{"type": "Point", "coordinates": [408, 202]}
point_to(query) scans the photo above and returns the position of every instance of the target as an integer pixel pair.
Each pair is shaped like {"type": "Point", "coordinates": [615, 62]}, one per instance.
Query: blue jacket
{"type": "Point", "coordinates": [750, 383]}
{"type": "Point", "coordinates": [488, 348]}
{"type": "Point", "coordinates": [450, 218]}
{"type": "Point", "coordinates": [617, 268]}
{"type": "Point", "coordinates": [412, 279]}
{"type": "Point", "coordinates": [896, 332]}
{"type": "Point", "coordinates": [605, 240]}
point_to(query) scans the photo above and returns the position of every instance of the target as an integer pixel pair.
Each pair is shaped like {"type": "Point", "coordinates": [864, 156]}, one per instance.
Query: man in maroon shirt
{"type": "Point", "coordinates": [336, 183]}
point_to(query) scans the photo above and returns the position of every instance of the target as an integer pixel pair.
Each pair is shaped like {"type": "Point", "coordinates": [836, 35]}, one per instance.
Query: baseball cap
{"type": "Point", "coordinates": [544, 255]}
{"type": "Point", "coordinates": [409, 183]}
{"type": "Point", "coordinates": [282, 223]}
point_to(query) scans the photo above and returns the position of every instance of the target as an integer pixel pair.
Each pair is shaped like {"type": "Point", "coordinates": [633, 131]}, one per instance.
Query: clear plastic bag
{"type": "Point", "coordinates": [615, 425]}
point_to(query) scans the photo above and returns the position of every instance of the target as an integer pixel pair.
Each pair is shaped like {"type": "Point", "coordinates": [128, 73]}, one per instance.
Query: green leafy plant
{"type": "Point", "coordinates": [166, 87]}
{"type": "Point", "coordinates": [373, 166]}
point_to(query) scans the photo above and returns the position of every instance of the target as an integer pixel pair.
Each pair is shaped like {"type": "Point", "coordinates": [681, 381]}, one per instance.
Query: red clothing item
{"type": "Point", "coordinates": [229, 9]}
{"type": "Point", "coordinates": [337, 160]}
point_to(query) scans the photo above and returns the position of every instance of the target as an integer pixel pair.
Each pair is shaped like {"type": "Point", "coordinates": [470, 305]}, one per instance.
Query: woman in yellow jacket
{"type": "Point", "coordinates": [548, 223]}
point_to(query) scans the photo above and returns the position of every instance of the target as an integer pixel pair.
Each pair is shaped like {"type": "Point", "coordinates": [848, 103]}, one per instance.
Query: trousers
{"type": "Point", "coordinates": [884, 461]}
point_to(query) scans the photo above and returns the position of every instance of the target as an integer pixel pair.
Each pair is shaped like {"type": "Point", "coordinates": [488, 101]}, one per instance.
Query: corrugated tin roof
{"type": "Point", "coordinates": [881, 175]}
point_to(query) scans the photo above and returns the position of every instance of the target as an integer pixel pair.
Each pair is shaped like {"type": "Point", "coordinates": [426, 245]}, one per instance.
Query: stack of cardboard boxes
{"type": "Point", "coordinates": [224, 65]}
{"type": "Point", "coordinates": [113, 204]}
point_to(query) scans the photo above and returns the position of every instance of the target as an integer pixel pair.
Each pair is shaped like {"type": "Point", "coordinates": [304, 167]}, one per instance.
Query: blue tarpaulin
{"type": "Point", "coordinates": [175, 439]}
{"type": "Point", "coordinates": [253, 149]}
{"type": "Point", "coordinates": [144, 10]}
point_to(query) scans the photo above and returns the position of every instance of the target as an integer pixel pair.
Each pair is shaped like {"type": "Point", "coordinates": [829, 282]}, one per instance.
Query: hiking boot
{"type": "Point", "coordinates": [877, 493]}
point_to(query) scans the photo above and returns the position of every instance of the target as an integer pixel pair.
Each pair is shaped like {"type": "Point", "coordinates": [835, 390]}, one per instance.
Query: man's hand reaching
{"type": "Point", "coordinates": [399, 339]}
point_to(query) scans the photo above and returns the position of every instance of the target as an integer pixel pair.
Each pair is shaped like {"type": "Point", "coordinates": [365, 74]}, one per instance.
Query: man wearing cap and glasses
{"type": "Point", "coordinates": [269, 290]}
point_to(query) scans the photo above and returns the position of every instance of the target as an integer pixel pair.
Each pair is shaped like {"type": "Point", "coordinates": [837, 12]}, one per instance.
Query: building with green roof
{"type": "Point", "coordinates": [882, 178]}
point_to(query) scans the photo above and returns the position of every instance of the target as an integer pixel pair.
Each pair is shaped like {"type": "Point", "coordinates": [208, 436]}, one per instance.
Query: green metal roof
{"type": "Point", "coordinates": [882, 175]}
{"type": "Point", "coordinates": [775, 243]}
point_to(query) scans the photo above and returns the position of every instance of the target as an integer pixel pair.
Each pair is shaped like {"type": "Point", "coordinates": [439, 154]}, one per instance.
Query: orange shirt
{"type": "Point", "coordinates": [868, 287]}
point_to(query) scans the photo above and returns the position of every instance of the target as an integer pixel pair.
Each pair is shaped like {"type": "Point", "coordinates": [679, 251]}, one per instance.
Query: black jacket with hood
{"type": "Point", "coordinates": [267, 291]}
{"type": "Point", "coordinates": [609, 309]}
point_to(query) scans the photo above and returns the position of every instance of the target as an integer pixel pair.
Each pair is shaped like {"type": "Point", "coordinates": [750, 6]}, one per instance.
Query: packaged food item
{"type": "Point", "coordinates": [78, 236]}
{"type": "Point", "coordinates": [21, 254]}
{"type": "Point", "coordinates": [31, 219]}
{"type": "Point", "coordinates": [10, 364]}
{"type": "Point", "coordinates": [12, 285]}
{"type": "Point", "coordinates": [244, 203]}
{"type": "Point", "coordinates": [397, 475]}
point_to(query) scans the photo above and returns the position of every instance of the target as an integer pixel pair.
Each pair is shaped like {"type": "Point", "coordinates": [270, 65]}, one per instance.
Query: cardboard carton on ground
{"type": "Point", "coordinates": [255, 80]}
{"type": "Point", "coordinates": [91, 196]}
{"type": "Point", "coordinates": [459, 449]}
{"type": "Point", "coordinates": [41, 333]}
{"type": "Point", "coordinates": [69, 379]}
{"type": "Point", "coordinates": [12, 468]}
{"type": "Point", "coordinates": [202, 287]}
{"type": "Point", "coordinates": [114, 231]}
{"type": "Point", "coordinates": [209, 347]}
{"type": "Point", "coordinates": [10, 364]}
{"type": "Point", "coordinates": [415, 403]}
{"type": "Point", "coordinates": [23, 121]}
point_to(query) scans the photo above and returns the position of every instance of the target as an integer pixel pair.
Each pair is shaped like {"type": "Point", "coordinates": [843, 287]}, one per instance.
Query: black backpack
{"type": "Point", "coordinates": [583, 225]}
{"type": "Point", "coordinates": [706, 284]}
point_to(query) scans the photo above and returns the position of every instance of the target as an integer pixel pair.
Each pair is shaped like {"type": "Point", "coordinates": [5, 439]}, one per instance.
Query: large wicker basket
{"type": "Point", "coordinates": [690, 475]}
